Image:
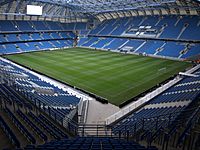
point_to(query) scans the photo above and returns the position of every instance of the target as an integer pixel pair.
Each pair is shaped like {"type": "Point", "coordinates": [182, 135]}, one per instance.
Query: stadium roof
{"type": "Point", "coordinates": [83, 10]}
{"type": "Point", "coordinates": [99, 6]}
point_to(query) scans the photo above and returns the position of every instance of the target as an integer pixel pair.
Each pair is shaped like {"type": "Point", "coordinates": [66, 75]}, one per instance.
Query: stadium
{"type": "Point", "coordinates": [100, 74]}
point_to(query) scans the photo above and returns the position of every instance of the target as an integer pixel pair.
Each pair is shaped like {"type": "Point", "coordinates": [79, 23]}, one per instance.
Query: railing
{"type": "Point", "coordinates": [124, 111]}
{"type": "Point", "coordinates": [94, 130]}
{"type": "Point", "coordinates": [125, 131]}
{"type": "Point", "coordinates": [139, 102]}
{"type": "Point", "coordinates": [185, 118]}
{"type": "Point", "coordinates": [82, 114]}
{"type": "Point", "coordinates": [189, 125]}
{"type": "Point", "coordinates": [104, 128]}
{"type": "Point", "coordinates": [68, 123]}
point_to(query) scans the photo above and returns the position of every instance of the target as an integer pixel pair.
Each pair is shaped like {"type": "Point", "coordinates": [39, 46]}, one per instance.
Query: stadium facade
{"type": "Point", "coordinates": [100, 74]}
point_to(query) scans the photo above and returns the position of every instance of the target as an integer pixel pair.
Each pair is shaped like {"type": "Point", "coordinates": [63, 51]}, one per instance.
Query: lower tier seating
{"type": "Point", "coordinates": [163, 109]}
{"type": "Point", "coordinates": [20, 126]}
{"type": "Point", "coordinates": [157, 48]}
{"type": "Point", "coordinates": [9, 133]}
{"type": "Point", "coordinates": [91, 143]}
{"type": "Point", "coordinates": [34, 41]}
{"type": "Point", "coordinates": [10, 48]}
{"type": "Point", "coordinates": [53, 100]}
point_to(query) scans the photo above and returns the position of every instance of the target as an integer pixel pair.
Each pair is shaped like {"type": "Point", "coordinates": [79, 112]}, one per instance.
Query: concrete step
{"type": "Point", "coordinates": [18, 134]}
{"type": "Point", "coordinates": [37, 138]}
{"type": "Point", "coordinates": [5, 142]}
{"type": "Point", "coordinates": [40, 127]}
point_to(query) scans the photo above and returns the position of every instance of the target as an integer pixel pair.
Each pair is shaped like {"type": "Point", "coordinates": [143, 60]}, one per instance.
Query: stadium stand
{"type": "Point", "coordinates": [166, 27]}
{"type": "Point", "coordinates": [169, 27]}
{"type": "Point", "coordinates": [21, 127]}
{"type": "Point", "coordinates": [38, 114]}
{"type": "Point", "coordinates": [38, 36]}
{"type": "Point", "coordinates": [91, 143]}
{"type": "Point", "coordinates": [166, 110]}
{"type": "Point", "coordinates": [9, 26]}
{"type": "Point", "coordinates": [30, 123]}
{"type": "Point", "coordinates": [173, 28]}
{"type": "Point", "coordinates": [55, 101]}
{"type": "Point", "coordinates": [9, 133]}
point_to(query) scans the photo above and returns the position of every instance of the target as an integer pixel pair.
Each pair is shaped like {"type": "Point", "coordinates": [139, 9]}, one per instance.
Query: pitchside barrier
{"type": "Point", "coordinates": [126, 110]}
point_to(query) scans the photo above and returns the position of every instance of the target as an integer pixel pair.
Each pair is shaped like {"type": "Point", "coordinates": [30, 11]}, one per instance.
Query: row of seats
{"type": "Point", "coordinates": [48, 126]}
{"type": "Point", "coordinates": [58, 99]}
{"type": "Point", "coordinates": [168, 104]}
{"type": "Point", "coordinates": [17, 43]}
{"type": "Point", "coordinates": [17, 37]}
{"type": "Point", "coordinates": [160, 48]}
{"type": "Point", "coordinates": [4, 91]}
{"type": "Point", "coordinates": [13, 97]}
{"type": "Point", "coordinates": [91, 143]}
{"type": "Point", "coordinates": [20, 126]}
{"type": "Point", "coordinates": [145, 119]}
{"type": "Point", "coordinates": [56, 129]}
{"type": "Point", "coordinates": [12, 48]}
{"type": "Point", "coordinates": [57, 113]}
{"type": "Point", "coordinates": [173, 27]}
{"type": "Point", "coordinates": [15, 25]}
{"type": "Point", "coordinates": [28, 83]}
{"type": "Point", "coordinates": [9, 133]}
{"type": "Point", "coordinates": [37, 37]}
{"type": "Point", "coordinates": [58, 102]}
{"type": "Point", "coordinates": [32, 125]}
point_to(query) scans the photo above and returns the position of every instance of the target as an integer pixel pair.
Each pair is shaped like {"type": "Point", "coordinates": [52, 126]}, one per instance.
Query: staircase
{"type": "Point", "coordinates": [160, 49]}
{"type": "Point", "coordinates": [108, 43]}
{"type": "Point", "coordinates": [18, 48]}
{"type": "Point", "coordinates": [183, 29]}
{"type": "Point", "coordinates": [123, 44]}
{"type": "Point", "coordinates": [95, 42]}
{"type": "Point", "coordinates": [142, 21]}
{"type": "Point", "coordinates": [187, 48]}
{"type": "Point", "coordinates": [140, 46]}
{"type": "Point", "coordinates": [113, 30]}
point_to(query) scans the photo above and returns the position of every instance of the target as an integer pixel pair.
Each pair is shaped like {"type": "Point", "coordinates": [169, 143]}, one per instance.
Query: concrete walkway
{"type": "Point", "coordinates": [98, 112]}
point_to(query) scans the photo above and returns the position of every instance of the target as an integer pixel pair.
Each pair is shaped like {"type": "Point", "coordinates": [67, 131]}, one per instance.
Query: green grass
{"type": "Point", "coordinates": [116, 77]}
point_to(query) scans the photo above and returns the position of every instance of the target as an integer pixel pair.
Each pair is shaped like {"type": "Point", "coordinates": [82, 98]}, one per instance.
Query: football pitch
{"type": "Point", "coordinates": [114, 76]}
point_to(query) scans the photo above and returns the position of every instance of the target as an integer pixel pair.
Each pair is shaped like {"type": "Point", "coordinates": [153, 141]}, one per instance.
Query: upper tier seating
{"type": "Point", "coordinates": [25, 36]}
{"type": "Point", "coordinates": [180, 29]}
{"type": "Point", "coordinates": [172, 27]}
{"type": "Point", "coordinates": [16, 26]}
{"type": "Point", "coordinates": [19, 37]}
